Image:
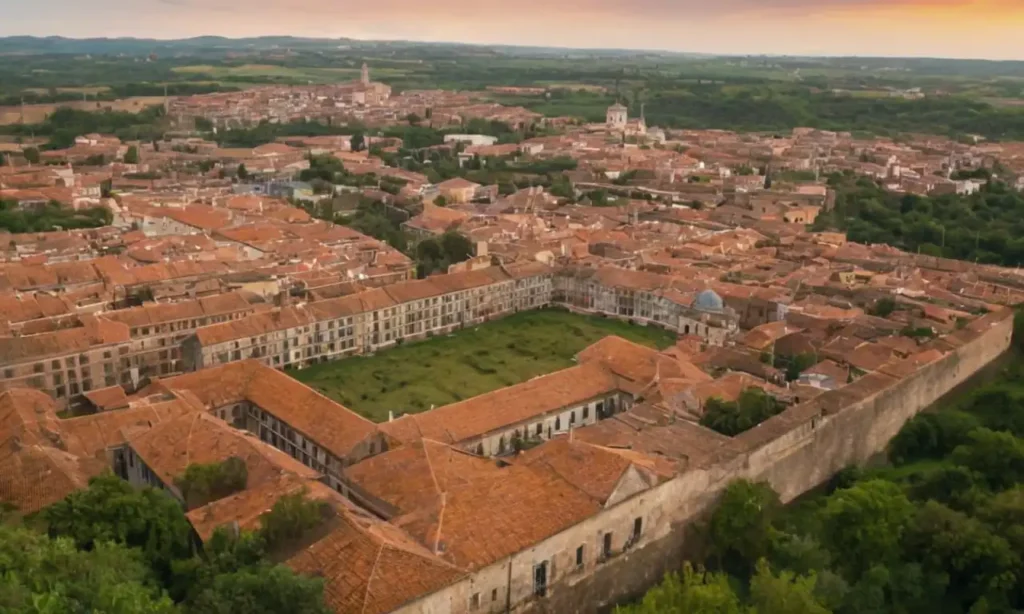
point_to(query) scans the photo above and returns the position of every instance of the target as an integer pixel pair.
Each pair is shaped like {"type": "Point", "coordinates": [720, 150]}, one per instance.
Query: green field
{"type": "Point", "coordinates": [413, 377]}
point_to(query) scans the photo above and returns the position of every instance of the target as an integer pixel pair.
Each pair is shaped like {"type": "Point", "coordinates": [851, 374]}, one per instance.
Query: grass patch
{"type": "Point", "coordinates": [413, 377]}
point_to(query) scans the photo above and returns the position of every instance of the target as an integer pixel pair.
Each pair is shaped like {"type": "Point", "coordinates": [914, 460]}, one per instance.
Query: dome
{"type": "Point", "coordinates": [708, 300]}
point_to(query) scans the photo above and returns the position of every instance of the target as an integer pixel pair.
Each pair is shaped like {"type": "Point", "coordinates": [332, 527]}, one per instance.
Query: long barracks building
{"type": "Point", "coordinates": [302, 335]}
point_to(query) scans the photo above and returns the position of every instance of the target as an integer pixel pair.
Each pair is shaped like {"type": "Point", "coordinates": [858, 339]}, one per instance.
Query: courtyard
{"type": "Point", "coordinates": [416, 376]}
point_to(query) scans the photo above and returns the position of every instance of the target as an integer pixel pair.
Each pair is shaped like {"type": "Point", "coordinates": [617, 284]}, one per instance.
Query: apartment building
{"type": "Point", "coordinates": [373, 319]}
{"type": "Point", "coordinates": [68, 359]}
{"type": "Point", "coordinates": [158, 329]}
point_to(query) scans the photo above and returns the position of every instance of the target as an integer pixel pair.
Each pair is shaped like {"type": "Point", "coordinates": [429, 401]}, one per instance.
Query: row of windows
{"type": "Point", "coordinates": [544, 572]}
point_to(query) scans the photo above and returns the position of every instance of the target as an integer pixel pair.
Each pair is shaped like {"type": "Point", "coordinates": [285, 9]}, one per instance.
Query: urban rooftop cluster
{"type": "Point", "coordinates": [174, 334]}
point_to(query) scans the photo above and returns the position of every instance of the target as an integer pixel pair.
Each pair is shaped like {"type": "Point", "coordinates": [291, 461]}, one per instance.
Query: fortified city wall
{"type": "Point", "coordinates": [796, 451]}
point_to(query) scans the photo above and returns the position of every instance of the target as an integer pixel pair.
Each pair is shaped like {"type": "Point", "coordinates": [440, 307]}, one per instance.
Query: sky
{"type": "Point", "coordinates": [990, 29]}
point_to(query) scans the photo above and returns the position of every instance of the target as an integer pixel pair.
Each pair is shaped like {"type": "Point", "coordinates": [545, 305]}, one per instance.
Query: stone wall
{"type": "Point", "coordinates": [795, 452]}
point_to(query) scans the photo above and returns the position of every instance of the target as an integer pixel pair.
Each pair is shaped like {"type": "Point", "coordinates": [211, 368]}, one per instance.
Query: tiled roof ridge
{"type": "Point", "coordinates": [188, 439]}
{"type": "Point", "coordinates": [369, 579]}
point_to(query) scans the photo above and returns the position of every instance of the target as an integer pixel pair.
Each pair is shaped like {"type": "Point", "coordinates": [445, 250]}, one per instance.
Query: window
{"type": "Point", "coordinates": [474, 601]}
{"type": "Point", "coordinates": [579, 557]}
{"type": "Point", "coordinates": [638, 526]}
{"type": "Point", "coordinates": [8, 373]}
{"type": "Point", "coordinates": [494, 594]}
{"type": "Point", "coordinates": [540, 579]}
{"type": "Point", "coordinates": [55, 364]}
{"type": "Point", "coordinates": [540, 429]}
{"type": "Point", "coordinates": [586, 411]}
{"type": "Point", "coordinates": [37, 368]}
{"type": "Point", "coordinates": [558, 423]}
{"type": "Point", "coordinates": [572, 418]}
{"type": "Point", "coordinates": [607, 550]}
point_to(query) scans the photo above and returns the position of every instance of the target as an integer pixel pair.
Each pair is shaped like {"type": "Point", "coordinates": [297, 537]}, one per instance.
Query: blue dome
{"type": "Point", "coordinates": [708, 300]}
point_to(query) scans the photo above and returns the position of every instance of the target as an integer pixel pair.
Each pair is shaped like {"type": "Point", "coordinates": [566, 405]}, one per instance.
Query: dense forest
{"type": "Point", "coordinates": [938, 529]}
{"type": "Point", "coordinates": [986, 227]}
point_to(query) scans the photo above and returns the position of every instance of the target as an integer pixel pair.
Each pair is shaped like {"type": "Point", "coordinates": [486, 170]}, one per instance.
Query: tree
{"type": "Point", "coordinates": [358, 141]}
{"type": "Point", "coordinates": [997, 456]}
{"type": "Point", "coordinates": [695, 591]}
{"type": "Point", "coordinates": [31, 155]}
{"type": "Point", "coordinates": [291, 517]}
{"type": "Point", "coordinates": [863, 525]}
{"type": "Point", "coordinates": [753, 407]}
{"type": "Point", "coordinates": [260, 589]}
{"type": "Point", "coordinates": [785, 593]}
{"type": "Point", "coordinates": [441, 201]}
{"type": "Point", "coordinates": [42, 575]}
{"type": "Point", "coordinates": [979, 562]}
{"type": "Point", "coordinates": [741, 527]}
{"type": "Point", "coordinates": [931, 435]}
{"type": "Point", "coordinates": [798, 364]}
{"type": "Point", "coordinates": [456, 246]}
{"type": "Point", "coordinates": [112, 510]}
{"type": "Point", "coordinates": [203, 483]}
{"type": "Point", "coordinates": [242, 172]}
{"type": "Point", "coordinates": [132, 155]}
{"type": "Point", "coordinates": [883, 307]}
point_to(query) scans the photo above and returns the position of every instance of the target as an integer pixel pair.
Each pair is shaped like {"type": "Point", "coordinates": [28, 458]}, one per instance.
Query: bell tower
{"type": "Point", "coordinates": [365, 78]}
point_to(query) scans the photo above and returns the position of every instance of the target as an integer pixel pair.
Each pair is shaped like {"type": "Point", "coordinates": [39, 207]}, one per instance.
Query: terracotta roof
{"type": "Point", "coordinates": [653, 432]}
{"type": "Point", "coordinates": [415, 476]}
{"type": "Point", "coordinates": [170, 447]}
{"type": "Point", "coordinates": [493, 518]}
{"type": "Point", "coordinates": [458, 183]}
{"type": "Point", "coordinates": [331, 425]}
{"type": "Point", "coordinates": [106, 399]}
{"type": "Point", "coordinates": [370, 567]}
{"type": "Point", "coordinates": [595, 470]}
{"type": "Point", "coordinates": [507, 406]}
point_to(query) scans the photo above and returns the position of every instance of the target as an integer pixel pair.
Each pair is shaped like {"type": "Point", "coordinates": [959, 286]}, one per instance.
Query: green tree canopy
{"type": "Point", "coordinates": [866, 523]}
{"type": "Point", "coordinates": [694, 591]}
{"type": "Point", "coordinates": [731, 418]}
{"type": "Point", "coordinates": [741, 526]}
{"type": "Point", "coordinates": [40, 575]}
{"type": "Point", "coordinates": [111, 510]}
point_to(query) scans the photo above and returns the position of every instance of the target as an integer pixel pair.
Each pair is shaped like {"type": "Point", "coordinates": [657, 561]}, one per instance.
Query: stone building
{"type": "Point", "coordinates": [617, 116]}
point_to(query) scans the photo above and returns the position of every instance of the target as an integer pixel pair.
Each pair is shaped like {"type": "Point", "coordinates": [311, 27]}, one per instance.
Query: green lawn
{"type": "Point", "coordinates": [413, 377]}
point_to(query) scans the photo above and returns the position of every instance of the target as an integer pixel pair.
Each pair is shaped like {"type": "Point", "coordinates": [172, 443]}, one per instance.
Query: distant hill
{"type": "Point", "coordinates": [133, 46]}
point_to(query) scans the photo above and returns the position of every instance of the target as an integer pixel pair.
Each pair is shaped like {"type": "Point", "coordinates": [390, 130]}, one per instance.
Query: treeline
{"type": "Point", "coordinates": [52, 216]}
{"type": "Point", "coordinates": [266, 132]}
{"type": "Point", "coordinates": [986, 227]}
{"type": "Point", "coordinates": [938, 530]}
{"type": "Point", "coordinates": [116, 91]}
{"type": "Point", "coordinates": [764, 107]}
{"type": "Point", "coordinates": [65, 124]}
{"type": "Point", "coordinates": [116, 549]}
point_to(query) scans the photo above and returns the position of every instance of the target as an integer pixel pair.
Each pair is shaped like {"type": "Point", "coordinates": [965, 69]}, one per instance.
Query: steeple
{"type": "Point", "coordinates": [365, 79]}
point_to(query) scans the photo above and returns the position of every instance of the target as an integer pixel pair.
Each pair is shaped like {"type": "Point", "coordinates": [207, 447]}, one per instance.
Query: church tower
{"type": "Point", "coordinates": [617, 116]}
{"type": "Point", "coordinates": [365, 78]}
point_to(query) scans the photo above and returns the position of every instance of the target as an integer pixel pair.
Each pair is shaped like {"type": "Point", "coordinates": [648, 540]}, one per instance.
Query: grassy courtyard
{"type": "Point", "coordinates": [412, 377]}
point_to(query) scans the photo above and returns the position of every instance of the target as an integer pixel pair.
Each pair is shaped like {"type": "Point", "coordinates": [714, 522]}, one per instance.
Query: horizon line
{"type": "Point", "coordinates": [512, 45]}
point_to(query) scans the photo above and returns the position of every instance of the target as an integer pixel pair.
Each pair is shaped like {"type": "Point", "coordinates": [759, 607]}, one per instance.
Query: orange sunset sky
{"type": "Point", "coordinates": [939, 28]}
